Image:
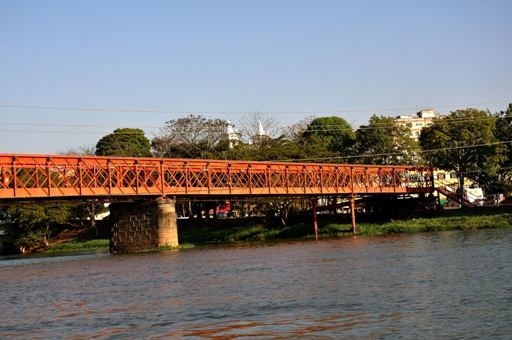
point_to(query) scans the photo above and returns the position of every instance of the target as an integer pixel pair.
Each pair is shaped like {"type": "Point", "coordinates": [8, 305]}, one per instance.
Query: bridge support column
{"type": "Point", "coordinates": [353, 213]}
{"type": "Point", "coordinates": [314, 202]}
{"type": "Point", "coordinates": [167, 227]}
{"type": "Point", "coordinates": [143, 225]}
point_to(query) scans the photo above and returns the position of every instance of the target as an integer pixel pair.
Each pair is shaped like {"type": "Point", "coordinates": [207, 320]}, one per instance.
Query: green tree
{"type": "Point", "coordinates": [31, 225]}
{"type": "Point", "coordinates": [502, 181]}
{"type": "Point", "coordinates": [383, 141]}
{"type": "Point", "coordinates": [276, 149]}
{"type": "Point", "coordinates": [127, 142]}
{"type": "Point", "coordinates": [327, 137]}
{"type": "Point", "coordinates": [241, 151]}
{"type": "Point", "coordinates": [278, 211]}
{"type": "Point", "coordinates": [270, 149]}
{"type": "Point", "coordinates": [464, 142]}
{"type": "Point", "coordinates": [193, 136]}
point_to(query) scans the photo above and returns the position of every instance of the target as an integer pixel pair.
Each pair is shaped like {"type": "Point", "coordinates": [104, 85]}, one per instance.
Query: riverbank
{"type": "Point", "coordinates": [336, 226]}
{"type": "Point", "coordinates": [78, 245]}
{"type": "Point", "coordinates": [221, 231]}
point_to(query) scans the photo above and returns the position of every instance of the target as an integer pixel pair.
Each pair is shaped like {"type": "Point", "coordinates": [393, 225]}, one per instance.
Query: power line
{"type": "Point", "coordinates": [174, 111]}
{"type": "Point", "coordinates": [363, 127]}
{"type": "Point", "coordinates": [419, 151]}
{"type": "Point", "coordinates": [322, 128]}
{"type": "Point", "coordinates": [399, 153]}
{"type": "Point", "coordinates": [51, 131]}
{"type": "Point", "coordinates": [85, 126]}
{"type": "Point", "coordinates": [75, 125]}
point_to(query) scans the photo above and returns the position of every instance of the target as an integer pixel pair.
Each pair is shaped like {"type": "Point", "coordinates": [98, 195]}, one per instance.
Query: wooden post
{"type": "Point", "coordinates": [315, 222]}
{"type": "Point", "coordinates": [353, 213]}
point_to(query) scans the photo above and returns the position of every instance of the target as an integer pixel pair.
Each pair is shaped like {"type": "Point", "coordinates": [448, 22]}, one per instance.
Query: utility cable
{"type": "Point", "coordinates": [145, 110]}
{"type": "Point", "coordinates": [322, 128]}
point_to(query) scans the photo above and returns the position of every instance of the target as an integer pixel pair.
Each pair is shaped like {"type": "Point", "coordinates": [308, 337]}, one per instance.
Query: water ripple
{"type": "Point", "coordinates": [436, 285]}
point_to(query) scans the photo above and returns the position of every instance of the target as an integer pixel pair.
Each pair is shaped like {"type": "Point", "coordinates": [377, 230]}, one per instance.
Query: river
{"type": "Point", "coordinates": [433, 285]}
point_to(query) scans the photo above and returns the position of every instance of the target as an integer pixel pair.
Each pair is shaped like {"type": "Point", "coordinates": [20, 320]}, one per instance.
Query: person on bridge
{"type": "Point", "coordinates": [5, 177]}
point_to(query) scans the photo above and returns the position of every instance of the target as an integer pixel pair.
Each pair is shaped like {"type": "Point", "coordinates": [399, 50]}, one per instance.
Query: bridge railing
{"type": "Point", "coordinates": [25, 176]}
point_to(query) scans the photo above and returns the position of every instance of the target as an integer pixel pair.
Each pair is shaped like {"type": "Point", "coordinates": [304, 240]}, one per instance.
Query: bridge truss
{"type": "Point", "coordinates": [56, 176]}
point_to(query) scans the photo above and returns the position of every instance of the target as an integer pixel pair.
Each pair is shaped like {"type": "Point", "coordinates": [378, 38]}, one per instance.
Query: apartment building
{"type": "Point", "coordinates": [417, 121]}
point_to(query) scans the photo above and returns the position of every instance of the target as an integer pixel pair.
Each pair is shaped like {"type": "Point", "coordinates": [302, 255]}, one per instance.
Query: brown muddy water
{"type": "Point", "coordinates": [435, 285]}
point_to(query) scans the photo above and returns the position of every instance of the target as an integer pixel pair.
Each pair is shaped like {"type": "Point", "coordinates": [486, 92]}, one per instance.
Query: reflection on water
{"type": "Point", "coordinates": [453, 284]}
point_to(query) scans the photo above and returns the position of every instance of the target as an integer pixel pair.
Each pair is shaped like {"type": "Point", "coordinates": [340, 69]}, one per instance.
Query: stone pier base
{"type": "Point", "coordinates": [143, 225]}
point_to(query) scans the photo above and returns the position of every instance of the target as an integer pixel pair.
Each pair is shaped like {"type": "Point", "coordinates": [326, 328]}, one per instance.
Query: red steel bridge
{"type": "Point", "coordinates": [56, 176]}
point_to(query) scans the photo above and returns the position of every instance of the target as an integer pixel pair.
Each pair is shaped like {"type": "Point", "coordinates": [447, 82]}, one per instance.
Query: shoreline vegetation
{"type": "Point", "coordinates": [224, 232]}
{"type": "Point", "coordinates": [31, 227]}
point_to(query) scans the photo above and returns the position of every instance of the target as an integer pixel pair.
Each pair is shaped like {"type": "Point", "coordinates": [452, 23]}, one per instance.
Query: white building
{"type": "Point", "coordinates": [232, 135]}
{"type": "Point", "coordinates": [261, 136]}
{"type": "Point", "coordinates": [416, 122]}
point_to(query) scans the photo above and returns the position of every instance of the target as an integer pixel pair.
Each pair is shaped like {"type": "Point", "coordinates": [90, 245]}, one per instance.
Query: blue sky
{"type": "Point", "coordinates": [145, 62]}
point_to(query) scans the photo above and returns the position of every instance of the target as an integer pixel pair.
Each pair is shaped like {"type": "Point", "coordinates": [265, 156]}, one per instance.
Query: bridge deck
{"type": "Point", "coordinates": [49, 176]}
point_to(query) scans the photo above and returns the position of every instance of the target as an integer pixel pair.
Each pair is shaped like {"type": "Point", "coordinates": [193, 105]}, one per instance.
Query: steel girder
{"type": "Point", "coordinates": [40, 176]}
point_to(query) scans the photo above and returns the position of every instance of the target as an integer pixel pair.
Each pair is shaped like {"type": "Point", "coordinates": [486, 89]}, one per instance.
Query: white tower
{"type": "Point", "coordinates": [233, 135]}
{"type": "Point", "coordinates": [261, 135]}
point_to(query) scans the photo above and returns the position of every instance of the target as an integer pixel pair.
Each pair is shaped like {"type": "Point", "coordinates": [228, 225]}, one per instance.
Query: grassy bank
{"type": "Point", "coordinates": [470, 219]}
{"type": "Point", "coordinates": [96, 245]}
{"type": "Point", "coordinates": [442, 223]}
{"type": "Point", "coordinates": [74, 246]}
{"type": "Point", "coordinates": [241, 230]}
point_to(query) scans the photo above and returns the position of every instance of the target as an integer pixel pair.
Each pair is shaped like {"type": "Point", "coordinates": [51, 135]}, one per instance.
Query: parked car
{"type": "Point", "coordinates": [494, 200]}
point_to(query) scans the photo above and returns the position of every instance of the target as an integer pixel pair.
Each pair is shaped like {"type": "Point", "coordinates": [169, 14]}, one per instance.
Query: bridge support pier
{"type": "Point", "coordinates": [143, 225]}
{"type": "Point", "coordinates": [353, 213]}
{"type": "Point", "coordinates": [314, 202]}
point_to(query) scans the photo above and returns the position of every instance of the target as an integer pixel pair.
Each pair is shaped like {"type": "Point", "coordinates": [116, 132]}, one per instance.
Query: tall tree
{"type": "Point", "coordinates": [128, 142]}
{"type": "Point", "coordinates": [383, 141]}
{"type": "Point", "coordinates": [250, 126]}
{"type": "Point", "coordinates": [327, 137]}
{"type": "Point", "coordinates": [464, 142]}
{"type": "Point", "coordinates": [502, 181]}
{"type": "Point", "coordinates": [193, 136]}
{"type": "Point", "coordinates": [295, 130]}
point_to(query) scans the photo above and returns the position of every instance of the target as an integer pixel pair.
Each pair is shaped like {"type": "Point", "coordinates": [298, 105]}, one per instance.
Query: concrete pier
{"type": "Point", "coordinates": [167, 224]}
{"type": "Point", "coordinates": [143, 225]}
